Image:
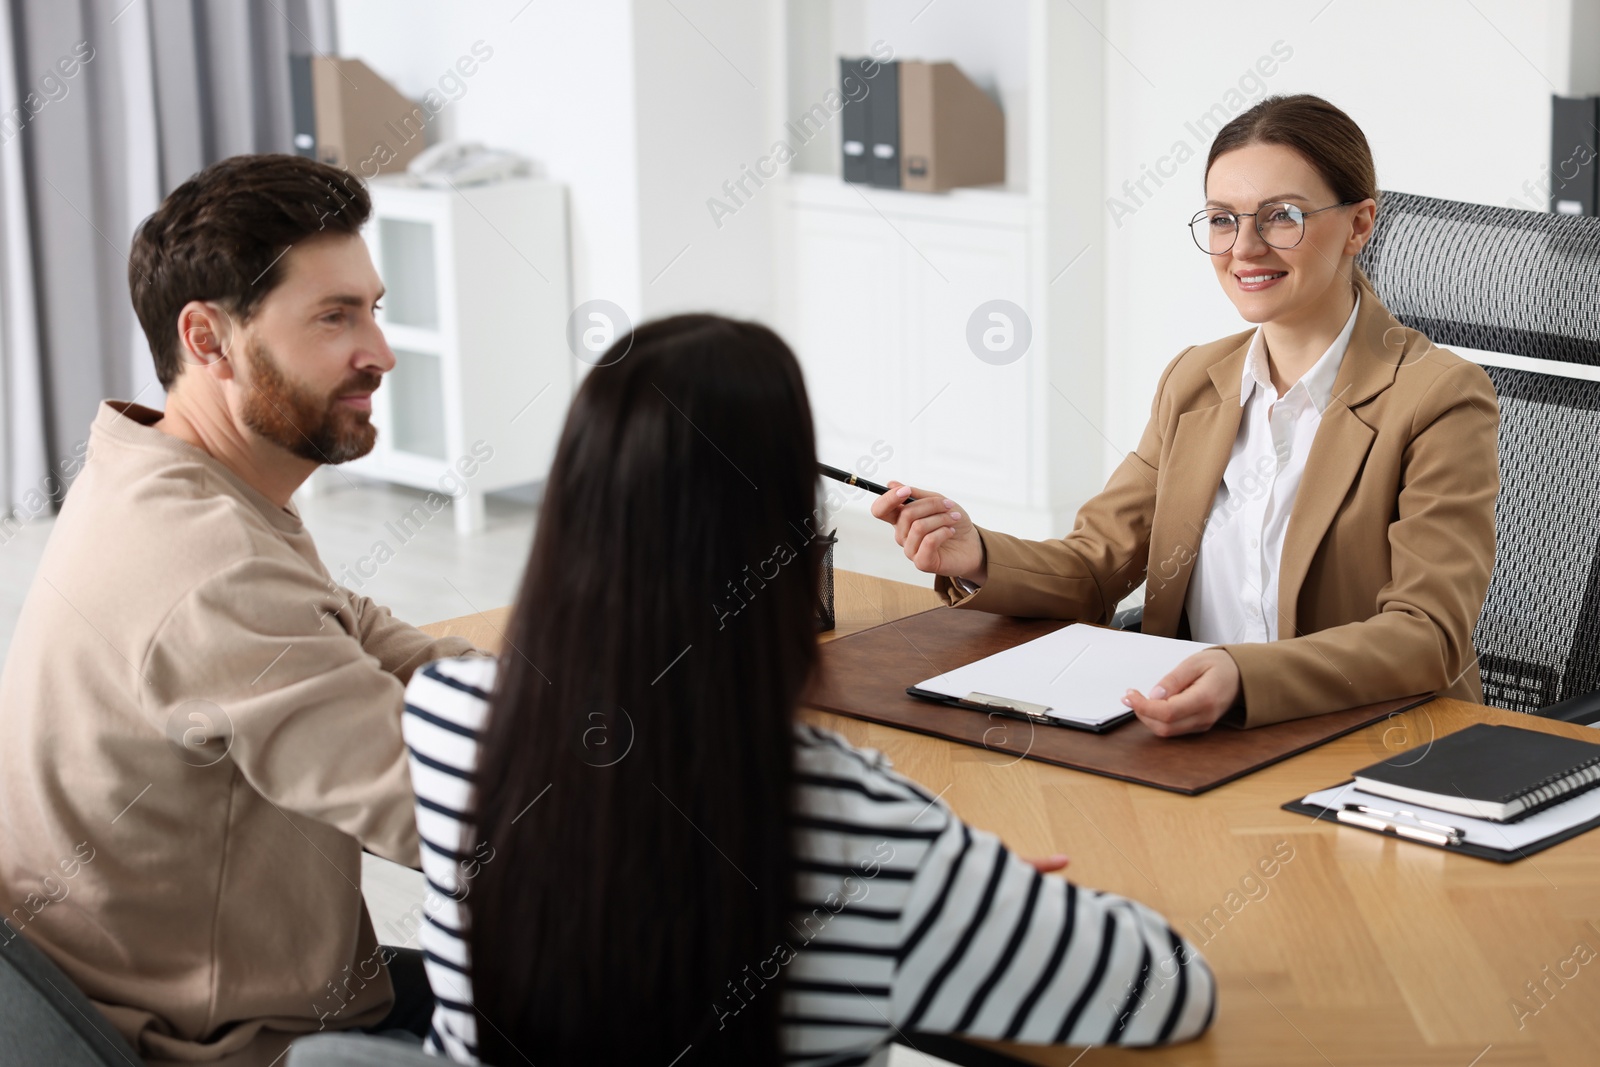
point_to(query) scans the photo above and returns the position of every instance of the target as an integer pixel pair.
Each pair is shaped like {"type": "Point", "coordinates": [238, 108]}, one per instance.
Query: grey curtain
{"type": "Point", "coordinates": [105, 107]}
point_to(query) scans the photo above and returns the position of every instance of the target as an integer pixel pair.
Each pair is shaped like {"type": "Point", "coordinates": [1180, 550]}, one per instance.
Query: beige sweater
{"type": "Point", "coordinates": [201, 732]}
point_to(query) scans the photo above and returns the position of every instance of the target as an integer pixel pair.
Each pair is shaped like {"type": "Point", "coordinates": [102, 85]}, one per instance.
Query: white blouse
{"type": "Point", "coordinates": [1233, 592]}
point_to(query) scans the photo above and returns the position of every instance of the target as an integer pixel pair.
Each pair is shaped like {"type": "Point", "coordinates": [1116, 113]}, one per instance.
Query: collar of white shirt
{"type": "Point", "coordinates": [1316, 384]}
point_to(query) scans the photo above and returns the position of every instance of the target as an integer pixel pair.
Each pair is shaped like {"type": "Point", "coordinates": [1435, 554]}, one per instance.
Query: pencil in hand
{"type": "Point", "coordinates": [852, 479]}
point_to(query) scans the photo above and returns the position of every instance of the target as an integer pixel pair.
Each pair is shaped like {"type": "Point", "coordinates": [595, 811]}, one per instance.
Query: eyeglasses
{"type": "Point", "coordinates": [1280, 225]}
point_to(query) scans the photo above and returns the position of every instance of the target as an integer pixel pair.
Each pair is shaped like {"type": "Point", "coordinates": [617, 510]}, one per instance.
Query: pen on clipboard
{"type": "Point", "coordinates": [851, 479]}
{"type": "Point", "coordinates": [1372, 819]}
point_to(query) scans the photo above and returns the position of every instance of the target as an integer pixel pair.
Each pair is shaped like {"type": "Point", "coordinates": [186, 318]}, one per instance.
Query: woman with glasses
{"type": "Point", "coordinates": [1314, 497]}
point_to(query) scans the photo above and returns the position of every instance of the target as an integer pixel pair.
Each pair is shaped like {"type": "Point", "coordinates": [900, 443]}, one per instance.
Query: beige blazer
{"type": "Point", "coordinates": [1389, 548]}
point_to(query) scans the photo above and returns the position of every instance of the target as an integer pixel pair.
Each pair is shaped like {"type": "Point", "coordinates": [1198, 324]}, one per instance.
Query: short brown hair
{"type": "Point", "coordinates": [1325, 136]}
{"type": "Point", "coordinates": [222, 235]}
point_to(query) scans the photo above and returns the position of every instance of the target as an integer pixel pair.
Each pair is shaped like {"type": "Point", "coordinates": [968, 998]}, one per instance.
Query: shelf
{"type": "Point", "coordinates": [987, 39]}
{"type": "Point", "coordinates": [409, 272]}
{"type": "Point", "coordinates": [462, 301]}
{"type": "Point", "coordinates": [988, 205]}
{"type": "Point", "coordinates": [416, 404]}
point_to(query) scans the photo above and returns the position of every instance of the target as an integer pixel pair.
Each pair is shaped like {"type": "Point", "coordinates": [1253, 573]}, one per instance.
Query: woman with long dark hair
{"type": "Point", "coordinates": [1314, 496]}
{"type": "Point", "coordinates": [636, 855]}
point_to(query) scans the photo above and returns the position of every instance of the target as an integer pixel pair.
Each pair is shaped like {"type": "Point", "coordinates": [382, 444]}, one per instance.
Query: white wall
{"type": "Point", "coordinates": [703, 88]}
{"type": "Point", "coordinates": [643, 108]}
{"type": "Point", "coordinates": [1452, 97]}
{"type": "Point", "coordinates": [559, 88]}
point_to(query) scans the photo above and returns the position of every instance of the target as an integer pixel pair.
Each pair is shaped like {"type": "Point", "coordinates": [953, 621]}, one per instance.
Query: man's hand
{"type": "Point", "coordinates": [1191, 698]}
{"type": "Point", "coordinates": [935, 533]}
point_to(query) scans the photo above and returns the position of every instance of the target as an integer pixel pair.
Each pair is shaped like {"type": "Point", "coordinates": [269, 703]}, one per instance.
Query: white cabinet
{"type": "Point", "coordinates": [972, 421]}
{"type": "Point", "coordinates": [879, 291]}
{"type": "Point", "coordinates": [475, 311]}
{"type": "Point", "coordinates": [877, 288]}
{"type": "Point", "coordinates": [845, 326]}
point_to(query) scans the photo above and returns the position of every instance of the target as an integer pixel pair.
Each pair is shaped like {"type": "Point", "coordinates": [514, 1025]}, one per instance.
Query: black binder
{"type": "Point", "coordinates": [883, 110]}
{"type": "Point", "coordinates": [303, 106]}
{"type": "Point", "coordinates": [1573, 163]}
{"type": "Point", "coordinates": [853, 123]}
{"type": "Point", "coordinates": [870, 125]}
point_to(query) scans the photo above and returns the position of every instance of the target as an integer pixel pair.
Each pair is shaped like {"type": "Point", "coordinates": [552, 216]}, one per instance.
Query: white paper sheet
{"type": "Point", "coordinates": [1079, 672]}
{"type": "Point", "coordinates": [1506, 835]}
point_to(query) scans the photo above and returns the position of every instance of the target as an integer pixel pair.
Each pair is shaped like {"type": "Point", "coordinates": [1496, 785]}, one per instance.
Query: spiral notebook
{"type": "Point", "coordinates": [1499, 773]}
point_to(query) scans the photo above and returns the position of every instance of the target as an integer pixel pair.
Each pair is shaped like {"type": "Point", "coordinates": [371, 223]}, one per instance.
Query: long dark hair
{"type": "Point", "coordinates": [637, 775]}
{"type": "Point", "coordinates": [1325, 137]}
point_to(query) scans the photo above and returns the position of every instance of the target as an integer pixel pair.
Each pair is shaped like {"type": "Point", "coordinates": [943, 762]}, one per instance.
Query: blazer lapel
{"type": "Point", "coordinates": [1379, 346]}
{"type": "Point", "coordinates": [1337, 455]}
{"type": "Point", "coordinates": [1201, 445]}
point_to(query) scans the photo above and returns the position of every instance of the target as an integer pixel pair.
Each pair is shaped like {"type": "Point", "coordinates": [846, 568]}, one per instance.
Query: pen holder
{"type": "Point", "coordinates": [825, 617]}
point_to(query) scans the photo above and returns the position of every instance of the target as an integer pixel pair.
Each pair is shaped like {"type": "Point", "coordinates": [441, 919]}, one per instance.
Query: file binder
{"type": "Point", "coordinates": [870, 124]}
{"type": "Point", "coordinates": [919, 126]}
{"type": "Point", "coordinates": [1573, 164]}
{"type": "Point", "coordinates": [883, 127]}
{"type": "Point", "coordinates": [951, 133]}
{"type": "Point", "coordinates": [853, 125]}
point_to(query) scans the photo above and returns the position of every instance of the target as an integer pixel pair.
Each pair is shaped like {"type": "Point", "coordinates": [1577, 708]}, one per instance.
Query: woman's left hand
{"type": "Point", "coordinates": [1191, 698]}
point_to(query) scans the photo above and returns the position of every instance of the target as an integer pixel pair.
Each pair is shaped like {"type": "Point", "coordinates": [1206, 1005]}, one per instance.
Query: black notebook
{"type": "Point", "coordinates": [1488, 772]}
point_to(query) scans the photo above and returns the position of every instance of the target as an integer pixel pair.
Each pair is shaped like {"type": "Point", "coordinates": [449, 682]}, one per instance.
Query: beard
{"type": "Point", "coordinates": [297, 419]}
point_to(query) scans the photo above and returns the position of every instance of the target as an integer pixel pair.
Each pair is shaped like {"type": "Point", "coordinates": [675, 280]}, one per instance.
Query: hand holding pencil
{"type": "Point", "coordinates": [933, 531]}
{"type": "Point", "coordinates": [936, 535]}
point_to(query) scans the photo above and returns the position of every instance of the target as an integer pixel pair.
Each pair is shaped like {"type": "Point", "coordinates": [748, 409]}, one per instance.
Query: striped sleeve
{"type": "Point", "coordinates": [446, 707]}
{"type": "Point", "coordinates": [911, 920]}
{"type": "Point", "coordinates": [860, 839]}
{"type": "Point", "coordinates": [991, 948]}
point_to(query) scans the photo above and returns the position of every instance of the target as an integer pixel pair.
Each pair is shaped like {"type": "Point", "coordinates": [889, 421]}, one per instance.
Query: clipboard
{"type": "Point", "coordinates": [864, 676]}
{"type": "Point", "coordinates": [1014, 709]}
{"type": "Point", "coordinates": [1466, 848]}
{"type": "Point", "coordinates": [1075, 675]}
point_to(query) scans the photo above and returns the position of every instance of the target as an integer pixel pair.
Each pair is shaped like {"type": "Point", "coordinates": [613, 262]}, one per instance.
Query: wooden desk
{"type": "Point", "coordinates": [1360, 950]}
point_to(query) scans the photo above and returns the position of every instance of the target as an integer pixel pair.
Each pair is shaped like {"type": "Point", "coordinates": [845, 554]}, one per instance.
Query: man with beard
{"type": "Point", "coordinates": [202, 729]}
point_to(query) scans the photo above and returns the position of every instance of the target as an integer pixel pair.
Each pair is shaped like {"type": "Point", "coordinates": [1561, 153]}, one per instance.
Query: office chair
{"type": "Point", "coordinates": [45, 1018]}
{"type": "Point", "coordinates": [1524, 284]}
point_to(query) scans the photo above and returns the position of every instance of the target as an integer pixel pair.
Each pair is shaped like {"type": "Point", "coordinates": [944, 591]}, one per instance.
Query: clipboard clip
{"type": "Point", "coordinates": [1434, 833]}
{"type": "Point", "coordinates": [1020, 709]}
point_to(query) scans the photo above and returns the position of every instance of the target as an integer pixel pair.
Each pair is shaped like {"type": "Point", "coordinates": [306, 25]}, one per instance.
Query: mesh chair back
{"type": "Point", "coordinates": [1527, 284]}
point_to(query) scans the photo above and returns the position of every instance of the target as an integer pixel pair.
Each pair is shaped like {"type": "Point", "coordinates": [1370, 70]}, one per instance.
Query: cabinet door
{"type": "Point", "coordinates": [410, 240]}
{"type": "Point", "coordinates": [967, 420]}
{"type": "Point", "coordinates": [844, 324]}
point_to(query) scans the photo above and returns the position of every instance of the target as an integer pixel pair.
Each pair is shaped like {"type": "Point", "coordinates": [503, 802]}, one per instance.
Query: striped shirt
{"type": "Point", "coordinates": [909, 919]}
